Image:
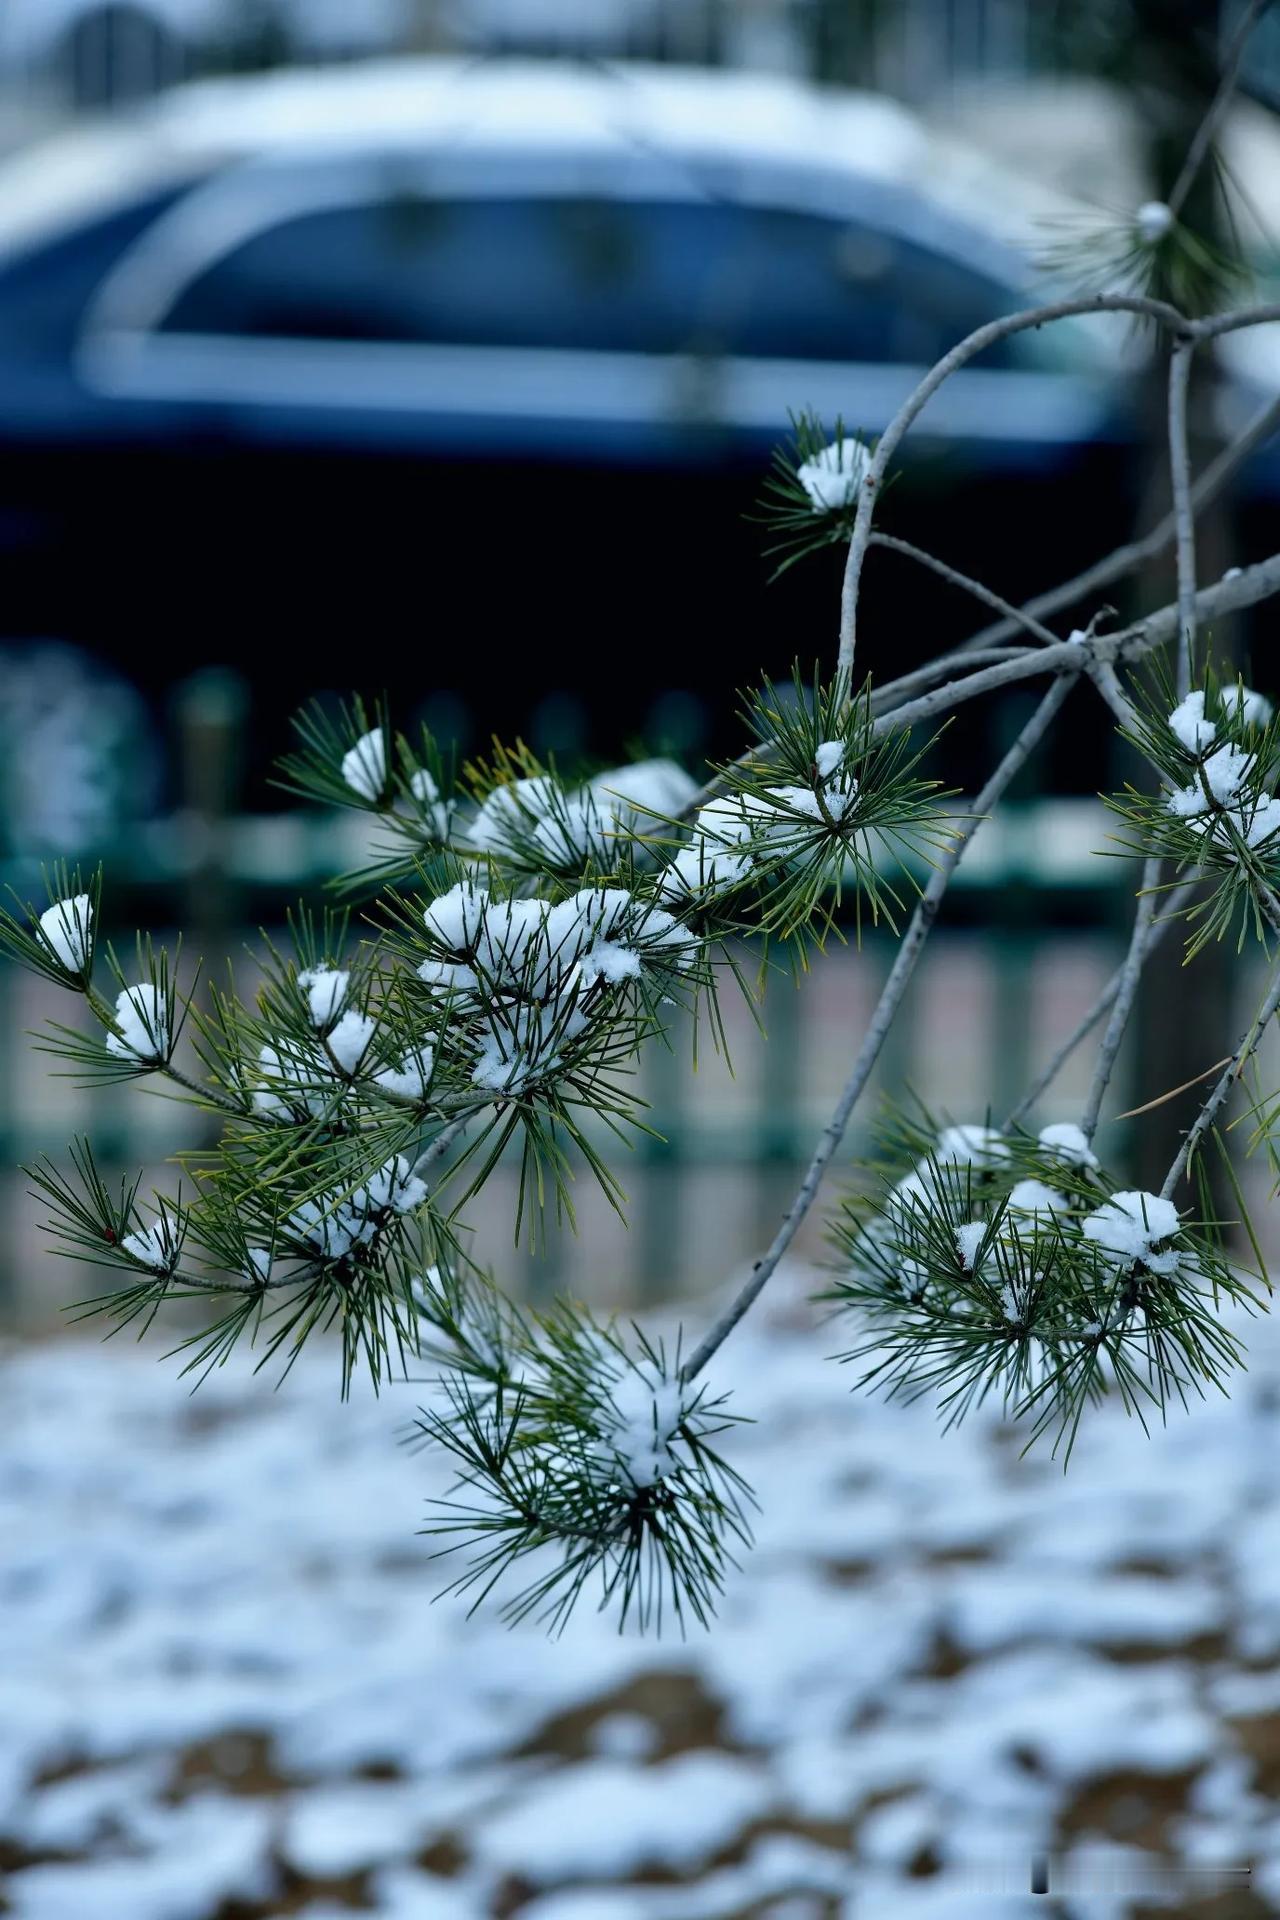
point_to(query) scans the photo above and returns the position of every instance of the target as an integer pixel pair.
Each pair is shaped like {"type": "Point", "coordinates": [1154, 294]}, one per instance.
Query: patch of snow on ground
{"type": "Point", "coordinates": [226, 1684]}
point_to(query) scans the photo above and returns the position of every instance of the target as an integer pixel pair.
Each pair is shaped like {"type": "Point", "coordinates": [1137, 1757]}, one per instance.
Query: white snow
{"type": "Point", "coordinates": [333, 1224]}
{"type": "Point", "coordinates": [511, 812]}
{"type": "Point", "coordinates": [1035, 1197]}
{"type": "Point", "coordinates": [1254, 821]}
{"type": "Point", "coordinates": [350, 1040]}
{"type": "Point", "coordinates": [410, 1079]}
{"type": "Point", "coordinates": [1067, 1140]}
{"type": "Point", "coordinates": [438, 813]}
{"type": "Point", "coordinates": [1226, 772]}
{"type": "Point", "coordinates": [337, 1830]}
{"type": "Point", "coordinates": [68, 928]}
{"type": "Point", "coordinates": [1130, 1226]}
{"type": "Point", "coordinates": [971, 1146]}
{"type": "Point", "coordinates": [1188, 722]}
{"type": "Point", "coordinates": [455, 918]}
{"type": "Point", "coordinates": [703, 867]}
{"type": "Point", "coordinates": [325, 988]}
{"type": "Point", "coordinates": [294, 1077]}
{"type": "Point", "coordinates": [154, 1246]}
{"type": "Point", "coordinates": [364, 768]}
{"type": "Point", "coordinates": [186, 1578]}
{"type": "Point", "coordinates": [828, 758]}
{"type": "Point", "coordinates": [641, 1410]}
{"type": "Point", "coordinates": [142, 1015]}
{"type": "Point", "coordinates": [832, 478]}
{"type": "Point", "coordinates": [1153, 219]}
{"type": "Point", "coordinates": [1248, 708]}
{"type": "Point", "coordinates": [599, 820]}
{"type": "Point", "coordinates": [606, 1817]}
{"type": "Point", "coordinates": [969, 1238]}
{"type": "Point", "coordinates": [1262, 822]}
{"type": "Point", "coordinates": [650, 788]}
{"type": "Point", "coordinates": [576, 831]}
{"type": "Point", "coordinates": [546, 969]}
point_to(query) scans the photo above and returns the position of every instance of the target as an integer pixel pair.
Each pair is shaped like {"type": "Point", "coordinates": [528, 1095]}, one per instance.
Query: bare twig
{"type": "Point", "coordinates": [965, 350]}
{"type": "Point", "coordinates": [1183, 519]}
{"type": "Point", "coordinates": [1136, 553]}
{"type": "Point", "coordinates": [1208, 128]}
{"type": "Point", "coordinates": [442, 1142]}
{"type": "Point", "coordinates": [1214, 325]}
{"type": "Point", "coordinates": [1242, 589]}
{"type": "Point", "coordinates": [1249, 1041]}
{"type": "Point", "coordinates": [967, 584]}
{"type": "Point", "coordinates": [1107, 681]}
{"type": "Point", "coordinates": [883, 698]}
{"type": "Point", "coordinates": [1163, 1099]}
{"type": "Point", "coordinates": [204, 1091]}
{"type": "Point", "coordinates": [881, 1020]}
{"type": "Point", "coordinates": [1105, 1001]}
{"type": "Point", "coordinates": [1122, 1007]}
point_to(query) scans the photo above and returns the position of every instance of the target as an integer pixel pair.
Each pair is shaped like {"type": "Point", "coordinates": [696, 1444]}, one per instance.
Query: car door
{"type": "Point", "coordinates": [555, 307]}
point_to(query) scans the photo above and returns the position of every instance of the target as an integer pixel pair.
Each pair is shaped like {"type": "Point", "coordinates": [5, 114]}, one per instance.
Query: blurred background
{"type": "Point", "coordinates": [439, 348]}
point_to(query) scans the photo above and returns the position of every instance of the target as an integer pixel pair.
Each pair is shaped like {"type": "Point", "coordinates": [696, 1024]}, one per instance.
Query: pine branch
{"type": "Point", "coordinates": [1134, 554]}
{"type": "Point", "coordinates": [1209, 127]}
{"type": "Point", "coordinates": [1184, 520]}
{"type": "Point", "coordinates": [1101, 1006]}
{"type": "Point", "coordinates": [1248, 1043]}
{"type": "Point", "coordinates": [1140, 945]}
{"type": "Point", "coordinates": [904, 966]}
{"type": "Point", "coordinates": [965, 350]}
{"type": "Point", "coordinates": [966, 583]}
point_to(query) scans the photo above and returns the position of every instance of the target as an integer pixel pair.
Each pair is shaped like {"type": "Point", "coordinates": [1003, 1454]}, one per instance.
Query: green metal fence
{"type": "Point", "coordinates": [1035, 928]}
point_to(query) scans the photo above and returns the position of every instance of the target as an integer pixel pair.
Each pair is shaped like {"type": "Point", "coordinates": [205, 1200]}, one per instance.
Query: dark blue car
{"type": "Point", "coordinates": [630, 265]}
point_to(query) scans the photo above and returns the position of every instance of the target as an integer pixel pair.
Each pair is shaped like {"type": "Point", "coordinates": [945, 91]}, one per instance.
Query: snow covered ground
{"type": "Point", "coordinates": [225, 1692]}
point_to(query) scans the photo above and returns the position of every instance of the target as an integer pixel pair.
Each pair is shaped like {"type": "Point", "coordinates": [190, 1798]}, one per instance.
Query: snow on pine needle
{"type": "Point", "coordinates": [1216, 810]}
{"type": "Point", "coordinates": [974, 1261]}
{"type": "Point", "coordinates": [585, 1466]}
{"type": "Point", "coordinates": [525, 931]}
{"type": "Point", "coordinates": [811, 495]}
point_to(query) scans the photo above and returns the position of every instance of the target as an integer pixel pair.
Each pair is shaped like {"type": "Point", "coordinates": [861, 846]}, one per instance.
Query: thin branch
{"type": "Point", "coordinates": [1249, 1041]}
{"type": "Point", "coordinates": [904, 966]}
{"type": "Point", "coordinates": [1214, 325]}
{"type": "Point", "coordinates": [1183, 519]}
{"type": "Point", "coordinates": [1208, 128]}
{"type": "Point", "coordinates": [1163, 1099]}
{"type": "Point", "coordinates": [205, 1092]}
{"type": "Point", "coordinates": [966, 583]}
{"type": "Point", "coordinates": [1136, 553]}
{"type": "Point", "coordinates": [1243, 589]}
{"type": "Point", "coordinates": [965, 350]}
{"type": "Point", "coordinates": [1107, 681]}
{"type": "Point", "coordinates": [1103, 1004]}
{"type": "Point", "coordinates": [442, 1142]}
{"type": "Point", "coordinates": [1130, 973]}
{"type": "Point", "coordinates": [883, 698]}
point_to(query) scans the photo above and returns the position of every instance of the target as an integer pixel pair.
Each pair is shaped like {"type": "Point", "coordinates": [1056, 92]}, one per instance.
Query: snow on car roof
{"type": "Point", "coordinates": [736, 122]}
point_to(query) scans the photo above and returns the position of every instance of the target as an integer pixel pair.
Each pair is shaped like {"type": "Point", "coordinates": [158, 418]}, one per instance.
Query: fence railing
{"type": "Point", "coordinates": [1036, 928]}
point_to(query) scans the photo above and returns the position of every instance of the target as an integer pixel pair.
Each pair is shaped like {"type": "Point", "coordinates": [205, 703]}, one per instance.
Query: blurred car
{"type": "Point", "coordinates": [465, 375]}
{"type": "Point", "coordinates": [627, 263]}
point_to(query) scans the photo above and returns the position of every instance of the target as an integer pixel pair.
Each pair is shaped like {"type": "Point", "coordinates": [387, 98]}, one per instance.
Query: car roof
{"type": "Point", "coordinates": [739, 124]}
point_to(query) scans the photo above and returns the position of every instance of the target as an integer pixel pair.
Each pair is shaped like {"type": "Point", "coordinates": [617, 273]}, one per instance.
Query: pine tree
{"type": "Point", "coordinates": [523, 935]}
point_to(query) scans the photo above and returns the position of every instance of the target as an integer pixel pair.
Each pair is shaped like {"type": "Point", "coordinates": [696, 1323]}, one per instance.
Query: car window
{"type": "Point", "coordinates": [46, 287]}
{"type": "Point", "coordinates": [604, 274]}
